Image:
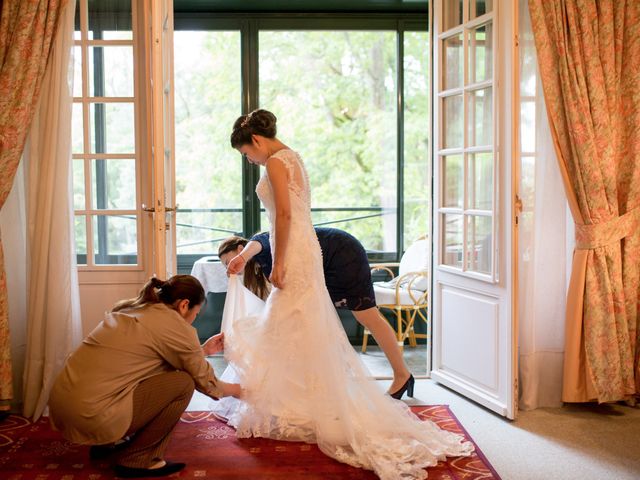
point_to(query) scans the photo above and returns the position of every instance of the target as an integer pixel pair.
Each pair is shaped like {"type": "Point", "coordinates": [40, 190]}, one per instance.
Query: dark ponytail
{"type": "Point", "coordinates": [259, 122]}
{"type": "Point", "coordinates": [254, 278]}
{"type": "Point", "coordinates": [178, 287]}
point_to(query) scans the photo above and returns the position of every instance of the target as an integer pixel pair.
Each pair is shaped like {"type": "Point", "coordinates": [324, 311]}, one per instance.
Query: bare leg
{"type": "Point", "coordinates": [386, 339]}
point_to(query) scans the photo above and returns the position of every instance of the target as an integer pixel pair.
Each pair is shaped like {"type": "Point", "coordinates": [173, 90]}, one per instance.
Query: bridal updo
{"type": "Point", "coordinates": [258, 122]}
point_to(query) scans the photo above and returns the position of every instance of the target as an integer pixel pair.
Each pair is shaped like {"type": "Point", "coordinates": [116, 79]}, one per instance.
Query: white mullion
{"type": "Point", "coordinates": [465, 132]}
{"type": "Point", "coordinates": [106, 211]}
{"type": "Point", "coordinates": [476, 22]}
{"type": "Point", "coordinates": [112, 100]}
{"type": "Point", "coordinates": [136, 144]}
{"type": "Point", "coordinates": [479, 149]}
{"type": "Point", "coordinates": [105, 156]}
{"type": "Point", "coordinates": [478, 86]}
{"type": "Point", "coordinates": [110, 43]}
{"type": "Point", "coordinates": [496, 160]}
{"type": "Point", "coordinates": [451, 210]}
{"type": "Point", "coordinates": [452, 32]}
{"type": "Point", "coordinates": [451, 151]}
{"type": "Point", "coordinates": [478, 212]}
{"type": "Point", "coordinates": [451, 92]}
{"type": "Point", "coordinates": [84, 35]}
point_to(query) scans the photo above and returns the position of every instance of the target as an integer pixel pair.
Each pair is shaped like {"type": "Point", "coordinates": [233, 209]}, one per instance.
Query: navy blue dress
{"type": "Point", "coordinates": [346, 267]}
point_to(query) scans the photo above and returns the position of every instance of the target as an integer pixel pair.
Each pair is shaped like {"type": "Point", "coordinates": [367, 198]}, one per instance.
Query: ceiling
{"type": "Point", "coordinates": [300, 6]}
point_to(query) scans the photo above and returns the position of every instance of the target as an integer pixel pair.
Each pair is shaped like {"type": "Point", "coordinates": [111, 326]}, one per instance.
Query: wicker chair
{"type": "Point", "coordinates": [405, 295]}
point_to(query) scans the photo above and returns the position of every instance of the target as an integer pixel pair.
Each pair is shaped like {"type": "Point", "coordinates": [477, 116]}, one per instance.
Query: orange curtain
{"type": "Point", "coordinates": [589, 57]}
{"type": "Point", "coordinates": [27, 29]}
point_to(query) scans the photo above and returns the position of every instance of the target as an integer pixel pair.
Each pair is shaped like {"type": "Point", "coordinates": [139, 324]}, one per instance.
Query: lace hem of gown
{"type": "Point", "coordinates": [326, 399]}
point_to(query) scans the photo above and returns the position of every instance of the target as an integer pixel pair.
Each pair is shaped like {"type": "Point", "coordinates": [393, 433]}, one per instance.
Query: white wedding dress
{"type": "Point", "coordinates": [302, 379]}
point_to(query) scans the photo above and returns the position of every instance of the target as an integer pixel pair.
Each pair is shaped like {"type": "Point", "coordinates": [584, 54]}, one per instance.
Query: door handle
{"type": "Point", "coordinates": [153, 210]}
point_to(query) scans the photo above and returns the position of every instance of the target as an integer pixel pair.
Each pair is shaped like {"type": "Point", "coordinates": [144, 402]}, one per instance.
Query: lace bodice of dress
{"type": "Point", "coordinates": [302, 237]}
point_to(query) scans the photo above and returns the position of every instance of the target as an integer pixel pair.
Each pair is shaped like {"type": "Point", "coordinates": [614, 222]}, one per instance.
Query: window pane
{"type": "Point", "coordinates": [115, 240]}
{"type": "Point", "coordinates": [480, 117]}
{"type": "Point", "coordinates": [76, 21]}
{"type": "Point", "coordinates": [453, 62]}
{"type": "Point", "coordinates": [479, 7]}
{"type": "Point", "coordinates": [200, 231]}
{"type": "Point", "coordinates": [480, 176]}
{"type": "Point", "coordinates": [479, 244]}
{"type": "Point", "coordinates": [528, 126]}
{"type": "Point", "coordinates": [111, 71]}
{"type": "Point", "coordinates": [110, 20]}
{"type": "Point", "coordinates": [452, 116]}
{"type": "Point", "coordinates": [208, 171]}
{"type": "Point", "coordinates": [452, 13]}
{"type": "Point", "coordinates": [77, 71]}
{"type": "Point", "coordinates": [452, 248]}
{"type": "Point", "coordinates": [334, 94]}
{"type": "Point", "coordinates": [112, 128]}
{"type": "Point", "coordinates": [80, 227]}
{"type": "Point", "coordinates": [453, 181]}
{"type": "Point", "coordinates": [481, 53]}
{"type": "Point", "coordinates": [78, 185]}
{"type": "Point", "coordinates": [113, 184]}
{"type": "Point", "coordinates": [417, 185]}
{"type": "Point", "coordinates": [77, 129]}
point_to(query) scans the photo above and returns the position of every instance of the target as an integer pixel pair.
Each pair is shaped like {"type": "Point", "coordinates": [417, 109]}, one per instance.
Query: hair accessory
{"type": "Point", "coordinates": [245, 122]}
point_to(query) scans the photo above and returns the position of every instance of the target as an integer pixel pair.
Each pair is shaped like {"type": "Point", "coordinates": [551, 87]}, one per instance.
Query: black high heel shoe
{"type": "Point", "coordinates": [407, 387]}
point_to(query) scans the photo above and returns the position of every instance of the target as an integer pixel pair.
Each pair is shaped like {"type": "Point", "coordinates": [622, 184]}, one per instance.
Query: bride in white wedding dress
{"type": "Point", "coordinates": [301, 378]}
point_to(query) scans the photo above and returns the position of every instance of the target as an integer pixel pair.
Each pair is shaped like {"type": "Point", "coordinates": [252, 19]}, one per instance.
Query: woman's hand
{"type": "Point", "coordinates": [231, 389]}
{"type": "Point", "coordinates": [236, 265]}
{"type": "Point", "coordinates": [277, 275]}
{"type": "Point", "coordinates": [214, 344]}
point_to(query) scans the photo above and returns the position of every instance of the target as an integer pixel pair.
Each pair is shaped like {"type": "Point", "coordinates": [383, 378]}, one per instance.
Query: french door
{"type": "Point", "coordinates": [474, 325]}
{"type": "Point", "coordinates": [162, 135]}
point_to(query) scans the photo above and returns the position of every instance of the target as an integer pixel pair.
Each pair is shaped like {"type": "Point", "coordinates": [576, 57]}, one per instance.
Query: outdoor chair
{"type": "Point", "coordinates": [405, 294]}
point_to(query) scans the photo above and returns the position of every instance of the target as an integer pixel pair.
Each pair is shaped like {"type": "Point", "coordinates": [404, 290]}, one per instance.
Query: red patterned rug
{"type": "Point", "coordinates": [33, 451]}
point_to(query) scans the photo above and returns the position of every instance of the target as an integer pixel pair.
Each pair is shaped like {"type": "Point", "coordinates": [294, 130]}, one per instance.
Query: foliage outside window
{"type": "Point", "coordinates": [335, 93]}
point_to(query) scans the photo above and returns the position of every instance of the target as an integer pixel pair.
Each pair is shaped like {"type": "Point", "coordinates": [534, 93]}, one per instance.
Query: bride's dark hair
{"type": "Point", "coordinates": [254, 278]}
{"type": "Point", "coordinates": [258, 122]}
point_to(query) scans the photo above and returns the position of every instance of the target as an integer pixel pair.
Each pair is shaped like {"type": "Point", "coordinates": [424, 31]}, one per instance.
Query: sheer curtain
{"type": "Point", "coordinates": [543, 238]}
{"type": "Point", "coordinates": [14, 239]}
{"type": "Point", "coordinates": [53, 306]}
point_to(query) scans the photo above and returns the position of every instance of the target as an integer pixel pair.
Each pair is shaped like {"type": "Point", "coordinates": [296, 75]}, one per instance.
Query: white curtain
{"type": "Point", "coordinates": [53, 305]}
{"type": "Point", "coordinates": [14, 238]}
{"type": "Point", "coordinates": [543, 238]}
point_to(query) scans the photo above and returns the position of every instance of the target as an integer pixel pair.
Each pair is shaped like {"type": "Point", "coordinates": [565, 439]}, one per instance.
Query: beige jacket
{"type": "Point", "coordinates": [91, 400]}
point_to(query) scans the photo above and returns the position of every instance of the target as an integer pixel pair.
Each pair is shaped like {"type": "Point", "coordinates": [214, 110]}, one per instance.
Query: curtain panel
{"type": "Point", "coordinates": [544, 241]}
{"type": "Point", "coordinates": [27, 29]}
{"type": "Point", "coordinates": [589, 59]}
{"type": "Point", "coordinates": [54, 327]}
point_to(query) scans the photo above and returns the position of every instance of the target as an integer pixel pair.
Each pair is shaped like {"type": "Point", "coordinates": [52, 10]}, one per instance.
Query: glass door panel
{"type": "Point", "coordinates": [452, 13]}
{"type": "Point", "coordinates": [481, 53]}
{"type": "Point", "coordinates": [208, 94]}
{"type": "Point", "coordinates": [453, 177]}
{"type": "Point", "coordinates": [453, 121]}
{"type": "Point", "coordinates": [335, 96]}
{"type": "Point", "coordinates": [454, 62]}
{"type": "Point", "coordinates": [417, 127]}
{"type": "Point", "coordinates": [105, 151]}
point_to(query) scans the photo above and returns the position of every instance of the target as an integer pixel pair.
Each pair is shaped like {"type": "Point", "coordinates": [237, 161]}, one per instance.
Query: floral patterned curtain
{"type": "Point", "coordinates": [589, 58]}
{"type": "Point", "coordinates": [27, 29]}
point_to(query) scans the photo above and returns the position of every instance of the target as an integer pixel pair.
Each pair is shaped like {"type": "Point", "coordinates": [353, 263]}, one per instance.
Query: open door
{"type": "Point", "coordinates": [162, 133]}
{"type": "Point", "coordinates": [474, 323]}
